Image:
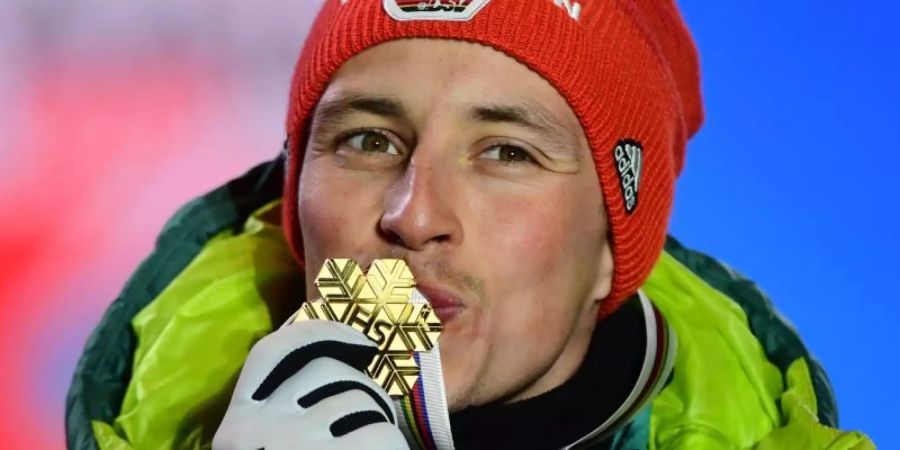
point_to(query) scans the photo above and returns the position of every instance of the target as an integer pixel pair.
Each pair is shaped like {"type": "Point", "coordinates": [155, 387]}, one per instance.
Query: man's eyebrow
{"type": "Point", "coordinates": [529, 116]}
{"type": "Point", "coordinates": [333, 110]}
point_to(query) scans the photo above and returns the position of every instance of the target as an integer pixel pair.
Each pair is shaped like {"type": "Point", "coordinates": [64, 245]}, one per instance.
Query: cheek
{"type": "Point", "coordinates": [319, 208]}
{"type": "Point", "coordinates": [336, 219]}
{"type": "Point", "coordinates": [544, 258]}
{"type": "Point", "coordinates": [533, 237]}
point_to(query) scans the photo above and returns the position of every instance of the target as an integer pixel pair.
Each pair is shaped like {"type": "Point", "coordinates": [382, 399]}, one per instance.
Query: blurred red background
{"type": "Point", "coordinates": [114, 115]}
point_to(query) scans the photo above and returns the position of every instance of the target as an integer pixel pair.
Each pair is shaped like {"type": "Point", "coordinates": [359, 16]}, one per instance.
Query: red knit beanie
{"type": "Point", "coordinates": [628, 69]}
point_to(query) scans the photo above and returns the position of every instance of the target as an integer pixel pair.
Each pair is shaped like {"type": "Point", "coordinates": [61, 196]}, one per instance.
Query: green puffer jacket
{"type": "Point", "coordinates": [158, 370]}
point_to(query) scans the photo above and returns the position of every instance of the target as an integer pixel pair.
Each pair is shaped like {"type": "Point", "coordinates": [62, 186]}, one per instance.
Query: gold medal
{"type": "Point", "coordinates": [381, 304]}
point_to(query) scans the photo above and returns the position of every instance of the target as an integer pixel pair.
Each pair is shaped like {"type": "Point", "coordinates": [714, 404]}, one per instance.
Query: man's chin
{"type": "Point", "coordinates": [461, 353]}
{"type": "Point", "coordinates": [458, 400]}
{"type": "Point", "coordinates": [455, 404]}
{"type": "Point", "coordinates": [474, 396]}
{"type": "Point", "coordinates": [464, 390]}
{"type": "Point", "coordinates": [459, 384]}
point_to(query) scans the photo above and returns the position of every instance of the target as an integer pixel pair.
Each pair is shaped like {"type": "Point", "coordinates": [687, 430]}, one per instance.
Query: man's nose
{"type": "Point", "coordinates": [419, 208]}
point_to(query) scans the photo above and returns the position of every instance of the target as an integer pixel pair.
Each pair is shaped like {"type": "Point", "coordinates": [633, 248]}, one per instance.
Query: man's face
{"type": "Point", "coordinates": [473, 169]}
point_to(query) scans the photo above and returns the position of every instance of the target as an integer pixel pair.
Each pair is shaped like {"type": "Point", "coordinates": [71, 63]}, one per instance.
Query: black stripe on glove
{"type": "Point", "coordinates": [357, 356]}
{"type": "Point", "coordinates": [338, 387]}
{"type": "Point", "coordinates": [354, 421]}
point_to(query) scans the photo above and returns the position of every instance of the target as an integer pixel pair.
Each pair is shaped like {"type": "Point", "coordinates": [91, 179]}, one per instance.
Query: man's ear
{"type": "Point", "coordinates": [603, 280]}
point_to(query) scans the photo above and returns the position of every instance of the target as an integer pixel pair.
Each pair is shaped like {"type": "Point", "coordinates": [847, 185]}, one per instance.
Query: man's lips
{"type": "Point", "coordinates": [445, 305]}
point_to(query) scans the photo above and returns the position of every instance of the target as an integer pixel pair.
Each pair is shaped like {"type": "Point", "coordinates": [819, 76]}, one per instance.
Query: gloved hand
{"type": "Point", "coordinates": [304, 387]}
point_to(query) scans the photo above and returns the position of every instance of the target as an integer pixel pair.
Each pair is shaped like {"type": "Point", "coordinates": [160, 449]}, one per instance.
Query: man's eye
{"type": "Point", "coordinates": [372, 142]}
{"type": "Point", "coordinates": [508, 154]}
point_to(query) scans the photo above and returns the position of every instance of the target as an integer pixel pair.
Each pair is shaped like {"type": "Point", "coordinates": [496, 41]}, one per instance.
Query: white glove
{"type": "Point", "coordinates": [304, 387]}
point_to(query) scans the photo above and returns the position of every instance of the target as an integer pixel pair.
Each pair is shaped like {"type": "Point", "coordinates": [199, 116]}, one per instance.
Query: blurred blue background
{"type": "Point", "coordinates": [793, 179]}
{"type": "Point", "coordinates": [116, 113]}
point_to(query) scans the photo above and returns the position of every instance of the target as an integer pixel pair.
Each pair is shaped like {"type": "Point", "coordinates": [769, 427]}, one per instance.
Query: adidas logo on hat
{"type": "Point", "coordinates": [629, 155]}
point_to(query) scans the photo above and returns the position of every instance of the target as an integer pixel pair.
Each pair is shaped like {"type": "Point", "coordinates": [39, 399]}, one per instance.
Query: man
{"type": "Point", "coordinates": [520, 157]}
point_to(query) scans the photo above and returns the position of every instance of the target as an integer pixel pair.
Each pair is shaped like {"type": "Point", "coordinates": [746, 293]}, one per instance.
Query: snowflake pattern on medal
{"type": "Point", "coordinates": [380, 304]}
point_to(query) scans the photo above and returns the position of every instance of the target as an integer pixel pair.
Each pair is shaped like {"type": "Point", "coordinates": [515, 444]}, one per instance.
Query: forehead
{"type": "Point", "coordinates": [438, 74]}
